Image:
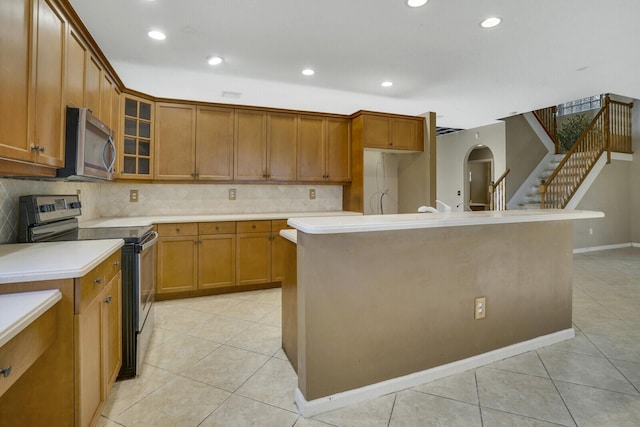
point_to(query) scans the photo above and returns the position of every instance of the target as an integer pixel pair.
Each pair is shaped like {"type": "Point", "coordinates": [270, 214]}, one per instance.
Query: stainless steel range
{"type": "Point", "coordinates": [55, 218]}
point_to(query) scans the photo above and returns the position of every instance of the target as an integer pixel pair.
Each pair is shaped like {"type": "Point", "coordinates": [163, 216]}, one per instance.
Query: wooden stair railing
{"type": "Point", "coordinates": [498, 193]}
{"type": "Point", "coordinates": [610, 130]}
{"type": "Point", "coordinates": [619, 126]}
{"type": "Point", "coordinates": [547, 118]}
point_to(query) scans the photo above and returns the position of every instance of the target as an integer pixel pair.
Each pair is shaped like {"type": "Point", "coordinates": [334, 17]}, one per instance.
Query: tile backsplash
{"type": "Point", "coordinates": [112, 199]}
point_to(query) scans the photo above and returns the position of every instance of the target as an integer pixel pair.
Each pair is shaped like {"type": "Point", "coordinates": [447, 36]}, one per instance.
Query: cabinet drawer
{"type": "Point", "coordinates": [26, 347]}
{"type": "Point", "coordinates": [179, 229]}
{"type": "Point", "coordinates": [279, 224]}
{"type": "Point", "coordinates": [254, 226]}
{"type": "Point", "coordinates": [226, 227]}
{"type": "Point", "coordinates": [88, 287]}
{"type": "Point", "coordinates": [111, 266]}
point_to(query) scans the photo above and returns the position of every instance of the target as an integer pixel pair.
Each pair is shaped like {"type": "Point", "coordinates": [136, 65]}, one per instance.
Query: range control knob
{"type": "Point", "coordinates": [47, 208]}
{"type": "Point", "coordinates": [75, 205]}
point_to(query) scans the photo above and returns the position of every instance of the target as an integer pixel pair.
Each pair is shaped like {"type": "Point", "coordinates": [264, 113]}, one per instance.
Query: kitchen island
{"type": "Point", "coordinates": [389, 302]}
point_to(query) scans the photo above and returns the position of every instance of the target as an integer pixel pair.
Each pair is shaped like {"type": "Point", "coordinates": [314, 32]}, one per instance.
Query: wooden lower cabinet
{"type": "Point", "coordinates": [253, 263]}
{"type": "Point", "coordinates": [98, 349]}
{"type": "Point", "coordinates": [69, 383]}
{"type": "Point", "coordinates": [216, 261]}
{"type": "Point", "coordinates": [112, 332]}
{"type": "Point", "coordinates": [194, 258]}
{"type": "Point", "coordinates": [177, 264]}
{"type": "Point", "coordinates": [278, 250]}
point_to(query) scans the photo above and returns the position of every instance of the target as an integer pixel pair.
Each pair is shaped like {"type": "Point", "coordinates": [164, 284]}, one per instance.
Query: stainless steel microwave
{"type": "Point", "coordinates": [90, 153]}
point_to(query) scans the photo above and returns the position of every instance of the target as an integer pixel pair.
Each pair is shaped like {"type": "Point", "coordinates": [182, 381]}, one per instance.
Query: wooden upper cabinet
{"type": "Point", "coordinates": [377, 132]}
{"type": "Point", "coordinates": [407, 134]}
{"type": "Point", "coordinates": [48, 101]}
{"type": "Point", "coordinates": [93, 86]}
{"type": "Point", "coordinates": [214, 143]}
{"type": "Point", "coordinates": [281, 146]}
{"type": "Point", "coordinates": [250, 137]}
{"type": "Point", "coordinates": [338, 149]}
{"type": "Point", "coordinates": [135, 151]}
{"type": "Point", "coordinates": [15, 21]}
{"type": "Point", "coordinates": [76, 70]}
{"type": "Point", "coordinates": [311, 148]}
{"type": "Point", "coordinates": [391, 132]}
{"type": "Point", "coordinates": [115, 114]}
{"type": "Point", "coordinates": [324, 149]}
{"type": "Point", "coordinates": [106, 91]}
{"type": "Point", "coordinates": [175, 141]}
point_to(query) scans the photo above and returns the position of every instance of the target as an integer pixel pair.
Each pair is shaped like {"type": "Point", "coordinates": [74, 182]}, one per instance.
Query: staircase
{"type": "Point", "coordinates": [532, 198]}
{"type": "Point", "coordinates": [610, 130]}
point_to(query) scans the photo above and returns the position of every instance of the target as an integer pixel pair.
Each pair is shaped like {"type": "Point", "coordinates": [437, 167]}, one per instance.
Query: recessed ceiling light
{"type": "Point", "coordinates": [215, 60]}
{"type": "Point", "coordinates": [157, 35]}
{"type": "Point", "coordinates": [416, 3]}
{"type": "Point", "coordinates": [386, 84]}
{"type": "Point", "coordinates": [308, 72]}
{"type": "Point", "coordinates": [490, 22]}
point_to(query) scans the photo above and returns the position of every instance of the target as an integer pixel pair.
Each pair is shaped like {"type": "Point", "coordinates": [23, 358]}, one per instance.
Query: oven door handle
{"type": "Point", "coordinates": [149, 241]}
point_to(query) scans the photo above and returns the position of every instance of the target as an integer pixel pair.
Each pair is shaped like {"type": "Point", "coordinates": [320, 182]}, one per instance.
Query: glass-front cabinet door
{"type": "Point", "coordinates": [136, 150]}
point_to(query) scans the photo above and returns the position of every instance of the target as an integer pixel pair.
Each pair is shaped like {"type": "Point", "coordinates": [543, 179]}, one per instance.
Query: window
{"type": "Point", "coordinates": [579, 105]}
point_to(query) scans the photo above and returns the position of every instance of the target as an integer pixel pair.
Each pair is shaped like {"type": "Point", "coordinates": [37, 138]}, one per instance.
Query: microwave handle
{"type": "Point", "coordinates": [111, 144]}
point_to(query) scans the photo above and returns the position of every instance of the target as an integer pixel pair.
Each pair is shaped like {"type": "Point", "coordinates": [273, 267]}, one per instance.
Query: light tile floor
{"type": "Point", "coordinates": [216, 361]}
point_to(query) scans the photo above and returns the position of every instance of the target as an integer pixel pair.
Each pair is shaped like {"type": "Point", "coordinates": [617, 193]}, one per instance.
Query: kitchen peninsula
{"type": "Point", "coordinates": [389, 302]}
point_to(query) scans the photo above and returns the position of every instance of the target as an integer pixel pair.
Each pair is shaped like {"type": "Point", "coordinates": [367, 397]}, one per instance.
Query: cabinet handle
{"type": "Point", "coordinates": [197, 175]}
{"type": "Point", "coordinates": [253, 226]}
{"type": "Point", "coordinates": [37, 149]}
{"type": "Point", "coordinates": [116, 263]}
{"type": "Point", "coordinates": [5, 372]}
{"type": "Point", "coordinates": [193, 174]}
{"type": "Point", "coordinates": [177, 230]}
{"type": "Point", "coordinates": [97, 281]}
{"type": "Point", "coordinates": [108, 299]}
{"type": "Point", "coordinates": [217, 228]}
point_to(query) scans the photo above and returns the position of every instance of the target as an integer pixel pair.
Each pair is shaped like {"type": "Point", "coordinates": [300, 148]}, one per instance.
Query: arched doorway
{"type": "Point", "coordinates": [478, 174]}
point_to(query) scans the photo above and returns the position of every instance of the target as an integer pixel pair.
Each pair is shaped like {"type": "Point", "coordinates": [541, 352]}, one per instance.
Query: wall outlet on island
{"type": "Point", "coordinates": [590, 231]}
{"type": "Point", "coordinates": [232, 194]}
{"type": "Point", "coordinates": [480, 308]}
{"type": "Point", "coordinates": [312, 194]}
{"type": "Point", "coordinates": [133, 196]}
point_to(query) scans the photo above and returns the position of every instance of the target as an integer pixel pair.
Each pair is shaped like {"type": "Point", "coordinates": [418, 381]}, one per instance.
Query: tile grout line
{"type": "Point", "coordinates": [557, 390]}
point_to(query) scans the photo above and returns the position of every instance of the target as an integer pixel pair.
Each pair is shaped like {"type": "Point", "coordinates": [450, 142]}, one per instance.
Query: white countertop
{"type": "Point", "coordinates": [358, 224]}
{"type": "Point", "coordinates": [19, 310]}
{"type": "Point", "coordinates": [150, 220]}
{"type": "Point", "coordinates": [291, 235]}
{"type": "Point", "coordinates": [26, 262]}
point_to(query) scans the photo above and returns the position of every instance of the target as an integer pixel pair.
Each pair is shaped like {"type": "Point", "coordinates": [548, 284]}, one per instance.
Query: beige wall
{"type": "Point", "coordinates": [452, 152]}
{"type": "Point", "coordinates": [634, 199]}
{"type": "Point", "coordinates": [524, 151]}
{"type": "Point", "coordinates": [610, 193]}
{"type": "Point", "coordinates": [378, 305]}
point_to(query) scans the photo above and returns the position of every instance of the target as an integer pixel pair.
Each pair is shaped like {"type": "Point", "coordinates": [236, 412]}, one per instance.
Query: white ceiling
{"type": "Point", "coordinates": [439, 58]}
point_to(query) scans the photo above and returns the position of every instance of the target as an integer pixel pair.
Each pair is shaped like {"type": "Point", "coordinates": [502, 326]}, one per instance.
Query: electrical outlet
{"type": "Point", "coordinates": [232, 194]}
{"type": "Point", "coordinates": [590, 231]}
{"type": "Point", "coordinates": [480, 309]}
{"type": "Point", "coordinates": [133, 196]}
{"type": "Point", "coordinates": [312, 194]}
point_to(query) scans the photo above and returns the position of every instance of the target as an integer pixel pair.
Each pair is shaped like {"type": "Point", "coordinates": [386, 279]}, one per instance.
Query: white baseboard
{"type": "Point", "coordinates": [350, 397]}
{"type": "Point", "coordinates": [605, 247]}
